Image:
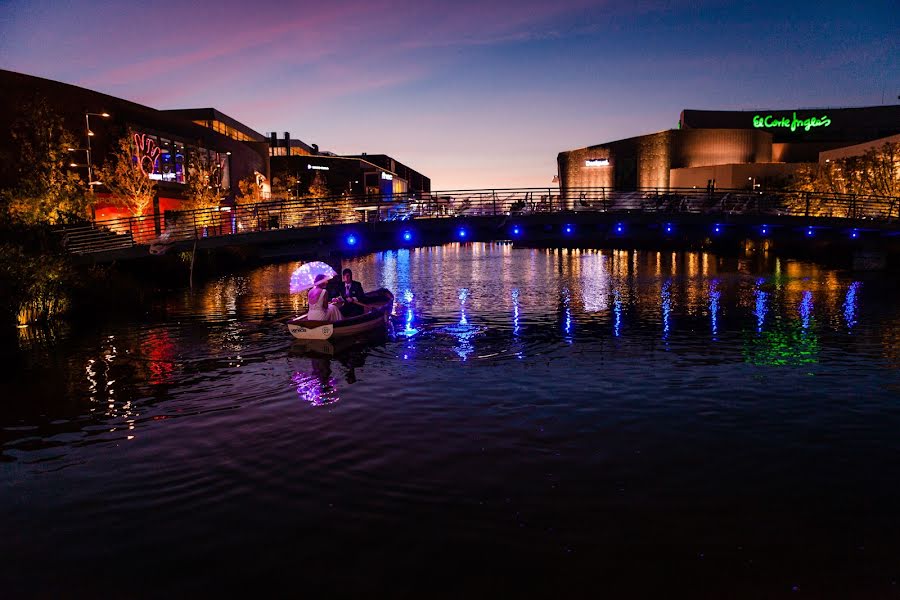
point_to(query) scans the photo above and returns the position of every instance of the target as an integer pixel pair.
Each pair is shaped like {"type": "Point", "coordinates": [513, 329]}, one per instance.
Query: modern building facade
{"type": "Point", "coordinates": [360, 175]}
{"type": "Point", "coordinates": [726, 149]}
{"type": "Point", "coordinates": [165, 142]}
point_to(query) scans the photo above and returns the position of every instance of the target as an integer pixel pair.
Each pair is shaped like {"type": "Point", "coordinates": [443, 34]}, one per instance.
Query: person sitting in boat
{"type": "Point", "coordinates": [349, 293]}
{"type": "Point", "coordinates": [319, 307]}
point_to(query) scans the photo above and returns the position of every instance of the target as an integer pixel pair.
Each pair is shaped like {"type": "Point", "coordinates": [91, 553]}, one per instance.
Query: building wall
{"type": "Point", "coordinates": [706, 147]}
{"type": "Point", "coordinates": [72, 102]}
{"type": "Point", "coordinates": [734, 176]}
{"type": "Point", "coordinates": [646, 161]}
{"type": "Point", "coordinates": [857, 149]}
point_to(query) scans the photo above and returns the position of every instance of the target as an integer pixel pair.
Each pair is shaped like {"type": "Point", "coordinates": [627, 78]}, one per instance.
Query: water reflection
{"type": "Point", "coordinates": [714, 295]}
{"type": "Point", "coordinates": [467, 303]}
{"type": "Point", "coordinates": [850, 305]}
{"type": "Point", "coordinates": [760, 305]}
{"type": "Point", "coordinates": [567, 315]}
{"type": "Point", "coordinates": [806, 309]}
{"type": "Point", "coordinates": [463, 332]}
{"type": "Point", "coordinates": [617, 313]}
{"type": "Point", "coordinates": [666, 306]}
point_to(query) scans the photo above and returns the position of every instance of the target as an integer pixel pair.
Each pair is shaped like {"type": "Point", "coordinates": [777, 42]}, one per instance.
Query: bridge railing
{"type": "Point", "coordinates": [276, 214]}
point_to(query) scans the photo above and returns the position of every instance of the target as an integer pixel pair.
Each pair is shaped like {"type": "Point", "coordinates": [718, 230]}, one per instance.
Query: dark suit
{"type": "Point", "coordinates": [349, 309]}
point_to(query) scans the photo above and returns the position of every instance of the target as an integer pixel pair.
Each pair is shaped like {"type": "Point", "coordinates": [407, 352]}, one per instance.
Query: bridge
{"type": "Point", "coordinates": [580, 216]}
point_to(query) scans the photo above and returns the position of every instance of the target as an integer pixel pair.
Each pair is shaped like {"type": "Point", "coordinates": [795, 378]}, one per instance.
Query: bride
{"type": "Point", "coordinates": [319, 308]}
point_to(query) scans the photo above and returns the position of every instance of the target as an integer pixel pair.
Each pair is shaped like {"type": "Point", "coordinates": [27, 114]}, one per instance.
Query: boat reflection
{"type": "Point", "coordinates": [317, 385]}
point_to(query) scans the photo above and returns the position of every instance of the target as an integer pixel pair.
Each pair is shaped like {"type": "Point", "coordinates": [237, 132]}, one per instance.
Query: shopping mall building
{"type": "Point", "coordinates": [167, 141]}
{"type": "Point", "coordinates": [727, 149]}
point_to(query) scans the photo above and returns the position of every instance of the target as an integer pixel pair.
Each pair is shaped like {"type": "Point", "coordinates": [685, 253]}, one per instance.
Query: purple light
{"type": "Point", "coordinates": [765, 230]}
{"type": "Point", "coordinates": [568, 229]}
{"type": "Point", "coordinates": [461, 233]}
{"type": "Point", "coordinates": [809, 232]}
{"type": "Point", "coordinates": [516, 230]}
{"type": "Point", "coordinates": [668, 228]}
{"type": "Point", "coordinates": [717, 228]}
{"type": "Point", "coordinates": [620, 228]}
{"type": "Point", "coordinates": [351, 239]}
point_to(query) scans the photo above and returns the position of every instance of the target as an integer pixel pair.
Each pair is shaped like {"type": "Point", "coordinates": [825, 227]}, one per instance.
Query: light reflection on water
{"type": "Point", "coordinates": [517, 377]}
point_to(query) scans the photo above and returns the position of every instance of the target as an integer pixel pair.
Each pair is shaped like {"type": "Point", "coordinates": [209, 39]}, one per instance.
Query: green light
{"type": "Point", "coordinates": [787, 345]}
{"type": "Point", "coordinates": [770, 121]}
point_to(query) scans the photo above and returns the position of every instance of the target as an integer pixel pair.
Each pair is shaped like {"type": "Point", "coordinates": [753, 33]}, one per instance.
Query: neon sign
{"type": "Point", "coordinates": [317, 168]}
{"type": "Point", "coordinates": [596, 162]}
{"type": "Point", "coordinates": [770, 121]}
{"type": "Point", "coordinates": [147, 153]}
{"type": "Point", "coordinates": [387, 176]}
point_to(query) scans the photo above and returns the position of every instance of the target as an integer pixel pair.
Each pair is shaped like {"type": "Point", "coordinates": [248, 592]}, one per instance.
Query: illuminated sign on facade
{"type": "Point", "coordinates": [596, 162]}
{"type": "Point", "coordinates": [793, 123]}
{"type": "Point", "coordinates": [387, 176]}
{"type": "Point", "coordinates": [147, 153]}
{"type": "Point", "coordinates": [317, 168]}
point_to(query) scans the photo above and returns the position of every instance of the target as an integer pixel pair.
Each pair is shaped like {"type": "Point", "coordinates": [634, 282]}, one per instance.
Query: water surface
{"type": "Point", "coordinates": [540, 419]}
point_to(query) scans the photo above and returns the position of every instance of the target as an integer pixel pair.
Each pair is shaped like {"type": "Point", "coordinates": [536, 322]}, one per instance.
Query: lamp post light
{"type": "Point", "coordinates": [89, 134]}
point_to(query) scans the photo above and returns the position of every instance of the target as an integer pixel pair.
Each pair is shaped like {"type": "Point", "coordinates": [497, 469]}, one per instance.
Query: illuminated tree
{"type": "Point", "coordinates": [317, 187]}
{"type": "Point", "coordinates": [876, 172]}
{"type": "Point", "coordinates": [284, 185]}
{"type": "Point", "coordinates": [249, 191]}
{"type": "Point", "coordinates": [44, 190]}
{"type": "Point", "coordinates": [123, 177]}
{"type": "Point", "coordinates": [204, 192]}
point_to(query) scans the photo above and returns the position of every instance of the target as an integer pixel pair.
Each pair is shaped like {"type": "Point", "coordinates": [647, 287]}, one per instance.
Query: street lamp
{"type": "Point", "coordinates": [89, 134]}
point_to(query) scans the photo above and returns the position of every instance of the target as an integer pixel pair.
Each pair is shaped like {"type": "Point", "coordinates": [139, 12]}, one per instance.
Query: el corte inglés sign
{"type": "Point", "coordinates": [793, 123]}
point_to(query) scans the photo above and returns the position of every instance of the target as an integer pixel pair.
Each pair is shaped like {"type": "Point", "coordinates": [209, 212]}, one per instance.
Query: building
{"type": "Point", "coordinates": [725, 149]}
{"type": "Point", "coordinates": [360, 175]}
{"type": "Point", "coordinates": [290, 147]}
{"type": "Point", "coordinates": [413, 181]}
{"type": "Point", "coordinates": [166, 141]}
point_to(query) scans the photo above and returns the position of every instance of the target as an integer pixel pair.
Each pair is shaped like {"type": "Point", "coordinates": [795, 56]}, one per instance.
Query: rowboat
{"type": "Point", "coordinates": [377, 305]}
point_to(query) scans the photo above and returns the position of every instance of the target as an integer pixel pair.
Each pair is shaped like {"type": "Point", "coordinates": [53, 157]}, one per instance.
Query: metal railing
{"type": "Point", "coordinates": [279, 214]}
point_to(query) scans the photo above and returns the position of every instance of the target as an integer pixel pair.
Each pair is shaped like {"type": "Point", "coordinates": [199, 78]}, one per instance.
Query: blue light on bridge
{"type": "Point", "coordinates": [620, 228]}
{"type": "Point", "coordinates": [407, 235]}
{"type": "Point", "coordinates": [461, 233]}
{"type": "Point", "coordinates": [810, 232]}
{"type": "Point", "coordinates": [516, 230]}
{"type": "Point", "coordinates": [351, 240]}
{"type": "Point", "coordinates": [764, 230]}
{"type": "Point", "coordinates": [568, 229]}
{"type": "Point", "coordinates": [854, 234]}
{"type": "Point", "coordinates": [717, 228]}
{"type": "Point", "coordinates": [669, 228]}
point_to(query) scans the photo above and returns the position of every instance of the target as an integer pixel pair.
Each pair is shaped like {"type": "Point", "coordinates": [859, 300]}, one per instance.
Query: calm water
{"type": "Point", "coordinates": [555, 422]}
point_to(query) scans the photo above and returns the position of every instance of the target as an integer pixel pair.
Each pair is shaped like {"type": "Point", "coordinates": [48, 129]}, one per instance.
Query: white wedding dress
{"type": "Point", "coordinates": [320, 309]}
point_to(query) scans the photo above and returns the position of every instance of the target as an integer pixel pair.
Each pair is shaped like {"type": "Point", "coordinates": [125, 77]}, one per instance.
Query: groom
{"type": "Point", "coordinates": [351, 292]}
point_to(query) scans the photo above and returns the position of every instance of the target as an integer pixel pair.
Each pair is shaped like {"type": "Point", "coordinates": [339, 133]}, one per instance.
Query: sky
{"type": "Point", "coordinates": [472, 93]}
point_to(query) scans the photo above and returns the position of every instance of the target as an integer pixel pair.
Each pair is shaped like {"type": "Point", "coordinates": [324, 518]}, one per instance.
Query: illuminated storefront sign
{"type": "Point", "coordinates": [793, 123]}
{"type": "Point", "coordinates": [147, 153]}
{"type": "Point", "coordinates": [596, 162]}
{"type": "Point", "coordinates": [317, 168]}
{"type": "Point", "coordinates": [387, 176]}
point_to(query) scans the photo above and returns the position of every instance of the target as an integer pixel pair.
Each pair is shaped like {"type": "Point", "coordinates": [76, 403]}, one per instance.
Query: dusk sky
{"type": "Point", "coordinates": [471, 93]}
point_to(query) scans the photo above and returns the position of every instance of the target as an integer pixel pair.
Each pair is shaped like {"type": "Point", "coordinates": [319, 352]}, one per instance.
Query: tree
{"type": "Point", "coordinates": [317, 187]}
{"type": "Point", "coordinates": [876, 172]}
{"type": "Point", "coordinates": [284, 185]}
{"type": "Point", "coordinates": [129, 185]}
{"type": "Point", "coordinates": [204, 192]}
{"type": "Point", "coordinates": [249, 191]}
{"type": "Point", "coordinates": [44, 191]}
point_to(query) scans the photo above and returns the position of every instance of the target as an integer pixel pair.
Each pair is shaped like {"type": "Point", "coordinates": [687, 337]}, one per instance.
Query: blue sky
{"type": "Point", "coordinates": [472, 94]}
